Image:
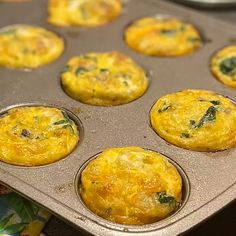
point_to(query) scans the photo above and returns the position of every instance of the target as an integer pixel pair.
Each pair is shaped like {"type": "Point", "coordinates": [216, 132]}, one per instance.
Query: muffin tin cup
{"type": "Point", "coordinates": [71, 115]}
{"type": "Point", "coordinates": [211, 176]}
{"type": "Point", "coordinates": [169, 143]}
{"type": "Point", "coordinates": [138, 228]}
{"type": "Point", "coordinates": [59, 35]}
{"type": "Point", "coordinates": [204, 38]}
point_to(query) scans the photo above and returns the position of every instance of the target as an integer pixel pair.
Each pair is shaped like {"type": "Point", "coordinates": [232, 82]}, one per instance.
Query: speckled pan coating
{"type": "Point", "coordinates": [212, 176]}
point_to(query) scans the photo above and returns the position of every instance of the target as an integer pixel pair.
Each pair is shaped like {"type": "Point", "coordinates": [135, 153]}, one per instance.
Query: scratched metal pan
{"type": "Point", "coordinates": [209, 178]}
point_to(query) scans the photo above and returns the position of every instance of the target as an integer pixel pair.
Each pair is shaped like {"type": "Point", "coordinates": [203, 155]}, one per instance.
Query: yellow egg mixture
{"type": "Point", "coordinates": [131, 185]}
{"type": "Point", "coordinates": [83, 12]}
{"type": "Point", "coordinates": [104, 79]}
{"type": "Point", "coordinates": [24, 46]}
{"type": "Point", "coordinates": [162, 37]}
{"type": "Point", "coordinates": [31, 136]}
{"type": "Point", "coordinates": [223, 66]}
{"type": "Point", "coordinates": [195, 119]}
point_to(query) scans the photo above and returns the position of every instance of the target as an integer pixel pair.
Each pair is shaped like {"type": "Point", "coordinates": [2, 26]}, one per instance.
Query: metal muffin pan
{"type": "Point", "coordinates": [211, 176]}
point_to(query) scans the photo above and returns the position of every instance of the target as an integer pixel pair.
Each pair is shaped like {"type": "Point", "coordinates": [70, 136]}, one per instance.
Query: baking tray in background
{"type": "Point", "coordinates": [208, 3]}
{"type": "Point", "coordinates": [211, 176]}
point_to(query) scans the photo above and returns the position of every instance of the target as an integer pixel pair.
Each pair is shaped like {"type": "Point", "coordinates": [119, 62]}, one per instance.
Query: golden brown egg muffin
{"type": "Point", "coordinates": [195, 119]}
{"type": "Point", "coordinates": [104, 79]}
{"type": "Point", "coordinates": [131, 185]}
{"type": "Point", "coordinates": [162, 37]}
{"type": "Point", "coordinates": [83, 12]}
{"type": "Point", "coordinates": [32, 136]}
{"type": "Point", "coordinates": [223, 66]}
{"type": "Point", "coordinates": [24, 46]}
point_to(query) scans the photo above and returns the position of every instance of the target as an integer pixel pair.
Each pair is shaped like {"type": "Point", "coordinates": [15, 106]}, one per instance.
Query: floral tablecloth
{"type": "Point", "coordinates": [18, 216]}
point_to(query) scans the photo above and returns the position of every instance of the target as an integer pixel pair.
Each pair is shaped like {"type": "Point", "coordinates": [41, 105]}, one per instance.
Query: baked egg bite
{"type": "Point", "coordinates": [24, 46]}
{"type": "Point", "coordinates": [103, 79]}
{"type": "Point", "coordinates": [83, 12]}
{"type": "Point", "coordinates": [32, 136]}
{"type": "Point", "coordinates": [199, 120]}
{"type": "Point", "coordinates": [156, 36]}
{"type": "Point", "coordinates": [130, 185]}
{"type": "Point", "coordinates": [223, 66]}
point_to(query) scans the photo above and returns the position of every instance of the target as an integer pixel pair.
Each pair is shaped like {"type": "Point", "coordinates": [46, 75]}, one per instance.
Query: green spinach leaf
{"type": "Point", "coordinates": [209, 116]}
{"type": "Point", "coordinates": [164, 108]}
{"type": "Point", "coordinates": [228, 66]}
{"type": "Point", "coordinates": [66, 122]}
{"type": "Point", "coordinates": [80, 70]}
{"type": "Point", "coordinates": [164, 198]}
{"type": "Point", "coordinates": [185, 135]}
{"type": "Point", "coordinates": [215, 102]}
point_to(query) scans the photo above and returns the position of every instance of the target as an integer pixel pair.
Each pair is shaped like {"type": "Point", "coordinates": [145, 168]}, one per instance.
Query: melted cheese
{"type": "Point", "coordinates": [162, 37]}
{"type": "Point", "coordinates": [104, 79]}
{"type": "Point", "coordinates": [23, 46]}
{"type": "Point", "coordinates": [83, 12]}
{"type": "Point", "coordinates": [223, 66]}
{"type": "Point", "coordinates": [131, 185]}
{"type": "Point", "coordinates": [195, 119]}
{"type": "Point", "coordinates": [31, 136]}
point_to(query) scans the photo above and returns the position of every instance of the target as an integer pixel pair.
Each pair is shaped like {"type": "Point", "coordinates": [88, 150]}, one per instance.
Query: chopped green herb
{"type": "Point", "coordinates": [192, 122]}
{"type": "Point", "coordinates": [80, 70]}
{"type": "Point", "coordinates": [61, 122]}
{"type": "Point", "coordinates": [209, 116]}
{"type": "Point", "coordinates": [194, 40]}
{"type": "Point", "coordinates": [168, 32]}
{"type": "Point", "coordinates": [185, 135]}
{"type": "Point", "coordinates": [66, 116]}
{"type": "Point", "coordinates": [164, 108]}
{"type": "Point", "coordinates": [66, 123]}
{"type": "Point", "coordinates": [66, 69]}
{"type": "Point", "coordinates": [171, 32]}
{"type": "Point", "coordinates": [104, 70]}
{"type": "Point", "coordinates": [91, 58]}
{"type": "Point", "coordinates": [164, 198]}
{"type": "Point", "coordinates": [228, 66]}
{"type": "Point", "coordinates": [125, 83]}
{"type": "Point", "coordinates": [215, 102]}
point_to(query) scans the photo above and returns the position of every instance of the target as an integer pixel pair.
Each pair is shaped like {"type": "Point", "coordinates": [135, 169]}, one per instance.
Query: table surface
{"type": "Point", "coordinates": [223, 223]}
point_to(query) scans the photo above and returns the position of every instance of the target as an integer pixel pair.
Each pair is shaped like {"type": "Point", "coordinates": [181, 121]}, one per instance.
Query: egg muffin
{"type": "Point", "coordinates": [162, 37]}
{"type": "Point", "coordinates": [83, 12]}
{"type": "Point", "coordinates": [223, 66]}
{"type": "Point", "coordinates": [130, 185]}
{"type": "Point", "coordinates": [32, 136]}
{"type": "Point", "coordinates": [103, 79]}
{"type": "Point", "coordinates": [199, 120]}
{"type": "Point", "coordinates": [24, 46]}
